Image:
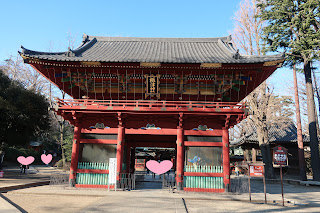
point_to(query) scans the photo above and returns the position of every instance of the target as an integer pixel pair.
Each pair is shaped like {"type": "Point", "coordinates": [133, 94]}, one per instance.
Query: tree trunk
{"type": "Point", "coordinates": [302, 162]}
{"type": "Point", "coordinates": [248, 155]}
{"type": "Point", "coordinates": [265, 150]}
{"type": "Point", "coordinates": [267, 160]}
{"type": "Point", "coordinates": [254, 155]}
{"type": "Point", "coordinates": [318, 98]}
{"type": "Point", "coordinates": [314, 145]}
{"type": "Point", "coordinates": [61, 124]}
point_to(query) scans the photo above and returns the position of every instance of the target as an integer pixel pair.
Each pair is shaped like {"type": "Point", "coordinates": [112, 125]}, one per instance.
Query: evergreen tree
{"type": "Point", "coordinates": [293, 27]}
{"type": "Point", "coordinates": [23, 113]}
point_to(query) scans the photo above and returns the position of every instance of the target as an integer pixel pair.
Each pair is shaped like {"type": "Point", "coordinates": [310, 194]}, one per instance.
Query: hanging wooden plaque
{"type": "Point", "coordinates": [152, 85]}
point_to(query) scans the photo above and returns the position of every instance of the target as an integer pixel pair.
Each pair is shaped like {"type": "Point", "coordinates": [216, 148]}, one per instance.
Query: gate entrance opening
{"type": "Point", "coordinates": [146, 179]}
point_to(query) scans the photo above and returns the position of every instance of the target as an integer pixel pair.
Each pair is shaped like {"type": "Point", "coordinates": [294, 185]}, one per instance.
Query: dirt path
{"type": "Point", "coordinates": [35, 203]}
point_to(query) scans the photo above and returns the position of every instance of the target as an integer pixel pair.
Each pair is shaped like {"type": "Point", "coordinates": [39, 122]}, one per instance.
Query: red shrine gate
{"type": "Point", "coordinates": [153, 92]}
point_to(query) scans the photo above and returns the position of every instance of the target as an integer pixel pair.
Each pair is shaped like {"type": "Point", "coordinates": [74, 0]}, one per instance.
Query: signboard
{"type": "Point", "coordinates": [112, 170]}
{"type": "Point", "coordinates": [280, 156]}
{"type": "Point", "coordinates": [152, 85]}
{"type": "Point", "coordinates": [256, 171]}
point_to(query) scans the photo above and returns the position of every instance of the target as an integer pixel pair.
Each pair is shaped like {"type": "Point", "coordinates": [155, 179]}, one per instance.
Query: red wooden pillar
{"type": "Point", "coordinates": [226, 158]}
{"type": "Point", "coordinates": [121, 133]}
{"type": "Point", "coordinates": [180, 158]}
{"type": "Point", "coordinates": [75, 153]}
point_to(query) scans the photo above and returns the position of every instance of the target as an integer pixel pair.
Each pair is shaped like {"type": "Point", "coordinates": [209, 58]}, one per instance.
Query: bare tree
{"type": "Point", "coordinates": [16, 69]}
{"type": "Point", "coordinates": [265, 108]}
{"type": "Point", "coordinates": [247, 28]}
{"type": "Point", "coordinates": [58, 120]}
{"type": "Point", "coordinates": [71, 40]}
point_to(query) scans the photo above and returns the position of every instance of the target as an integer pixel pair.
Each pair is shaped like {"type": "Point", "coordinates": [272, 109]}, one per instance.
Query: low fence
{"type": "Point", "coordinates": [59, 179]}
{"type": "Point", "coordinates": [239, 185]}
{"type": "Point", "coordinates": [169, 181]}
{"type": "Point", "coordinates": [127, 181]}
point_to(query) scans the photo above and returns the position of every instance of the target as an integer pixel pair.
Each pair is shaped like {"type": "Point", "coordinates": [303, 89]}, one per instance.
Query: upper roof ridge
{"type": "Point", "coordinates": [157, 39]}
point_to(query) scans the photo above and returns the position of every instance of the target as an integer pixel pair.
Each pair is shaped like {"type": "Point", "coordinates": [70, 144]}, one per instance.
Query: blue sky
{"type": "Point", "coordinates": [36, 24]}
{"type": "Point", "coordinates": [44, 25]}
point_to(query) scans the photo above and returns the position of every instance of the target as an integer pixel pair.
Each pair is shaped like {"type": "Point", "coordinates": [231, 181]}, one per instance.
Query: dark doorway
{"type": "Point", "coordinates": [151, 147]}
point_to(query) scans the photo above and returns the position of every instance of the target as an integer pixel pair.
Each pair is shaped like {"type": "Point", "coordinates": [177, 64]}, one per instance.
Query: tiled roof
{"type": "Point", "coordinates": [165, 50]}
{"type": "Point", "coordinates": [276, 135]}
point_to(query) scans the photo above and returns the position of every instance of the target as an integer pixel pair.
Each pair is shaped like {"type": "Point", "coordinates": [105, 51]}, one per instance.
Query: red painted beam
{"type": "Point", "coordinates": [203, 174]}
{"type": "Point", "coordinates": [208, 111]}
{"type": "Point", "coordinates": [132, 131]}
{"type": "Point", "coordinates": [101, 131]}
{"type": "Point", "coordinates": [152, 131]}
{"type": "Point", "coordinates": [98, 141]}
{"type": "Point", "coordinates": [150, 144]}
{"type": "Point", "coordinates": [215, 132]}
{"type": "Point", "coordinates": [93, 171]}
{"type": "Point", "coordinates": [170, 67]}
{"type": "Point", "coordinates": [198, 143]}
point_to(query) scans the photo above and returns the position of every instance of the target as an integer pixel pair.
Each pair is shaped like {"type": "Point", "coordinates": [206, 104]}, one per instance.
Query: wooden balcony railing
{"type": "Point", "coordinates": [149, 105]}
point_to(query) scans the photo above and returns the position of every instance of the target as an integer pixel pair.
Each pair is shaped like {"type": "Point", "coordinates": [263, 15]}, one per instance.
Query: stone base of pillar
{"type": "Point", "coordinates": [179, 186]}
{"type": "Point", "coordinates": [227, 188]}
{"type": "Point", "coordinates": [72, 182]}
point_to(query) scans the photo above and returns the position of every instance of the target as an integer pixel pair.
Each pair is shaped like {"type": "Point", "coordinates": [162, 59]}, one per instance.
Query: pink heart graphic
{"type": "Point", "coordinates": [46, 158]}
{"type": "Point", "coordinates": [25, 161]}
{"type": "Point", "coordinates": [159, 168]}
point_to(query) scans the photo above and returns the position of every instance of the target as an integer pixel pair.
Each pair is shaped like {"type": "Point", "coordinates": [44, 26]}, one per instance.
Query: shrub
{"type": "Point", "coordinates": [12, 153]}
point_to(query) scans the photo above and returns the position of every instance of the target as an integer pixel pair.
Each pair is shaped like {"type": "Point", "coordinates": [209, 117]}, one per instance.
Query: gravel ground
{"type": "Point", "coordinates": [51, 203]}
{"type": "Point", "coordinates": [62, 199]}
{"type": "Point", "coordinates": [49, 199]}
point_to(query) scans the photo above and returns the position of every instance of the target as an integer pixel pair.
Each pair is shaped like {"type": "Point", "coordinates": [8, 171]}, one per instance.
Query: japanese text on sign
{"type": "Point", "coordinates": [256, 171]}
{"type": "Point", "coordinates": [152, 85]}
{"type": "Point", "coordinates": [112, 170]}
{"type": "Point", "coordinates": [280, 156]}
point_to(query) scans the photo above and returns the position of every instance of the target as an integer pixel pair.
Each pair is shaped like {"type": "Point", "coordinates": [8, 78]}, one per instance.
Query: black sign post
{"type": "Point", "coordinates": [249, 182]}
{"type": "Point", "coordinates": [281, 185]}
{"type": "Point", "coordinates": [280, 158]}
{"type": "Point", "coordinates": [257, 170]}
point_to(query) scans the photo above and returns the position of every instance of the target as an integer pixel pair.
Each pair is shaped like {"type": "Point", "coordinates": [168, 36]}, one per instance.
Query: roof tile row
{"type": "Point", "coordinates": [165, 50]}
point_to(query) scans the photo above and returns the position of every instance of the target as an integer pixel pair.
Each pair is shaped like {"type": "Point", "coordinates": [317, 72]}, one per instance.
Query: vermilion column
{"type": "Point", "coordinates": [226, 158]}
{"type": "Point", "coordinates": [121, 132]}
{"type": "Point", "coordinates": [180, 158]}
{"type": "Point", "coordinates": [75, 153]}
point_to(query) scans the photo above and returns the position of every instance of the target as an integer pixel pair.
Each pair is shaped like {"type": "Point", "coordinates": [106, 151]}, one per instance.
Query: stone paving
{"type": "Point", "coordinates": [37, 173]}
{"type": "Point", "coordinates": [149, 197]}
